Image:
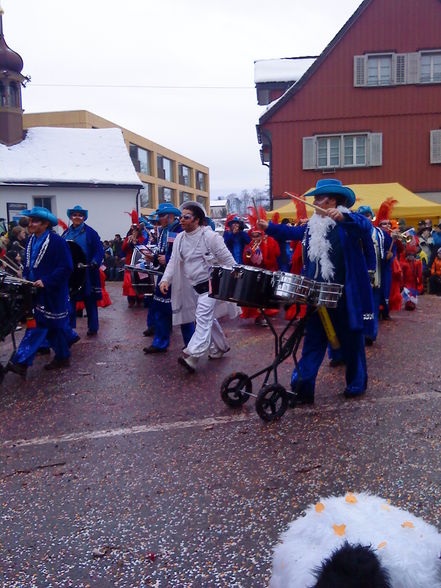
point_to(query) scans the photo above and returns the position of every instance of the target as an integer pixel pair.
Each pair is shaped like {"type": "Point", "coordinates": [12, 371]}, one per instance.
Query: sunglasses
{"type": "Point", "coordinates": [187, 216]}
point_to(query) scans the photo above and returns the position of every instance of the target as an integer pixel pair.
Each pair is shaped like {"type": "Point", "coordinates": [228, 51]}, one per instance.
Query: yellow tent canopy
{"type": "Point", "coordinates": [410, 206]}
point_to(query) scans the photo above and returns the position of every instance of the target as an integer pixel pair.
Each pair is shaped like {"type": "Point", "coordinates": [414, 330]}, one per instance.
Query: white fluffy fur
{"type": "Point", "coordinates": [319, 247]}
{"type": "Point", "coordinates": [410, 555]}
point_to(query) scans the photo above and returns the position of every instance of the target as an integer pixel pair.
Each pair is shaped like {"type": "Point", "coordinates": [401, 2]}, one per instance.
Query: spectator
{"type": "Point", "coordinates": [435, 278]}
{"type": "Point", "coordinates": [109, 264]}
{"type": "Point", "coordinates": [117, 246]}
{"type": "Point", "coordinates": [107, 248]}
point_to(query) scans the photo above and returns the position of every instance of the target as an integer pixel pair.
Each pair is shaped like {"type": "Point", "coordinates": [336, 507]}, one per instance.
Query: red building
{"type": "Point", "coordinates": [368, 110]}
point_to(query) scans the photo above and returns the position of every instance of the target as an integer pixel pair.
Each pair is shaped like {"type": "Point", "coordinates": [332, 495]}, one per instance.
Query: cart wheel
{"type": "Point", "coordinates": [236, 389]}
{"type": "Point", "coordinates": [271, 402]}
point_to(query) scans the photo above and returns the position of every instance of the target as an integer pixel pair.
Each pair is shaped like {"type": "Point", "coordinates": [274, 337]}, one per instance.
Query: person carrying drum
{"type": "Point", "coordinates": [48, 264]}
{"type": "Point", "coordinates": [160, 311]}
{"type": "Point", "coordinates": [90, 242]}
{"type": "Point", "coordinates": [195, 250]}
{"type": "Point", "coordinates": [332, 252]}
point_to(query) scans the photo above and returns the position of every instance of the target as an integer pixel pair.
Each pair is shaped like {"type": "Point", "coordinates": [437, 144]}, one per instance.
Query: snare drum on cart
{"type": "Point", "coordinates": [253, 286]}
{"type": "Point", "coordinates": [221, 282]}
{"type": "Point", "coordinates": [327, 294]}
{"type": "Point", "coordinates": [293, 288]}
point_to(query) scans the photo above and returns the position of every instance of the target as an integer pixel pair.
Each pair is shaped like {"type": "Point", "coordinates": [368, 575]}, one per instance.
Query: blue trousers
{"type": "Point", "coordinates": [372, 330]}
{"type": "Point", "coordinates": [314, 350]}
{"type": "Point", "coordinates": [92, 314]}
{"type": "Point", "coordinates": [160, 315]}
{"type": "Point", "coordinates": [35, 338]}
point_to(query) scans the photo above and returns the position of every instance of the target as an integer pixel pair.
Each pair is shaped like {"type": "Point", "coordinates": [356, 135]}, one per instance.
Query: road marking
{"type": "Point", "coordinates": [208, 422]}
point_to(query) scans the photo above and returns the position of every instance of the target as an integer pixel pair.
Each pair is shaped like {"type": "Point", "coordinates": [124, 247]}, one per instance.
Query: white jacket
{"type": "Point", "coordinates": [211, 250]}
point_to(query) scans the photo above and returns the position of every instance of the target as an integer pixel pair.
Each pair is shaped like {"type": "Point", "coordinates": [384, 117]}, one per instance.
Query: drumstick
{"type": "Point", "coordinates": [14, 269]}
{"type": "Point", "coordinates": [305, 202]}
{"type": "Point", "coordinates": [18, 279]}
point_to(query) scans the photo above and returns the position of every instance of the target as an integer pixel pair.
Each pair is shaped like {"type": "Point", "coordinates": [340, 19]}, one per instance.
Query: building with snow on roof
{"type": "Point", "coordinates": [60, 167]}
{"type": "Point", "coordinates": [366, 110]}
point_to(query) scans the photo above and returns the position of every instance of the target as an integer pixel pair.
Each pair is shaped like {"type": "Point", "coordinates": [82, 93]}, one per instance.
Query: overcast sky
{"type": "Point", "coordinates": [163, 43]}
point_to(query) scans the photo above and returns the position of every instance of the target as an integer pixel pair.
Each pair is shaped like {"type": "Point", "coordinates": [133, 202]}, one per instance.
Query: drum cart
{"type": "Point", "coordinates": [272, 399]}
{"type": "Point", "coordinates": [261, 289]}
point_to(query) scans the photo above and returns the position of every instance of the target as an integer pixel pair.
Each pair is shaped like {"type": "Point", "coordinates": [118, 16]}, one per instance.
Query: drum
{"type": "Point", "coordinates": [222, 282]}
{"type": "Point", "coordinates": [78, 276]}
{"type": "Point", "coordinates": [253, 286]}
{"type": "Point", "coordinates": [143, 283]}
{"type": "Point", "coordinates": [327, 294]}
{"type": "Point", "coordinates": [293, 288]}
{"type": "Point", "coordinates": [16, 301]}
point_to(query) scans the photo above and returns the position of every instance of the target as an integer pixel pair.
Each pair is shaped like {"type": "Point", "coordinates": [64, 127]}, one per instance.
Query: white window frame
{"type": "Point", "coordinates": [430, 54]}
{"type": "Point", "coordinates": [406, 69]}
{"type": "Point", "coordinates": [378, 56]}
{"type": "Point", "coordinates": [435, 146]}
{"type": "Point", "coordinates": [373, 151]}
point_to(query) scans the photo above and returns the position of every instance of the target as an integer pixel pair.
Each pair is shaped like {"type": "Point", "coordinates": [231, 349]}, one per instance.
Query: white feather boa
{"type": "Point", "coordinates": [319, 246]}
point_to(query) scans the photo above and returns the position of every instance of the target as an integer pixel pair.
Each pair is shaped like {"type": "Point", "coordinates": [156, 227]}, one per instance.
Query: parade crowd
{"type": "Point", "coordinates": [383, 265]}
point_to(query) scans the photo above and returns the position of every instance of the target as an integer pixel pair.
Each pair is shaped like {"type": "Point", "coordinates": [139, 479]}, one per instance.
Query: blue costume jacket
{"type": "Point", "coordinates": [90, 243]}
{"type": "Point", "coordinates": [236, 244]}
{"type": "Point", "coordinates": [351, 231]}
{"type": "Point", "coordinates": [53, 266]}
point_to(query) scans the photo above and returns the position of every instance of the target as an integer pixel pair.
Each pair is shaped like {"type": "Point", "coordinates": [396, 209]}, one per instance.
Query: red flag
{"type": "Point", "coordinates": [62, 224]}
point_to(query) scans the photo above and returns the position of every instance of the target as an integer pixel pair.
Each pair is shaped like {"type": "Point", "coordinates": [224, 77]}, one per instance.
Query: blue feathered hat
{"type": "Point", "coordinates": [167, 208]}
{"type": "Point", "coordinates": [42, 213]}
{"type": "Point", "coordinates": [334, 188]}
{"type": "Point", "coordinates": [78, 208]}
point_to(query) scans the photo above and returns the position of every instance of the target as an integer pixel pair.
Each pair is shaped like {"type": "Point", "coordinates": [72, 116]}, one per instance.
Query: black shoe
{"type": "Point", "coordinates": [17, 368]}
{"type": "Point", "coordinates": [336, 362]}
{"type": "Point", "coordinates": [353, 396]}
{"type": "Point", "coordinates": [153, 349]}
{"type": "Point", "coordinates": [44, 351]}
{"type": "Point", "coordinates": [149, 332]}
{"type": "Point", "coordinates": [299, 400]}
{"type": "Point", "coordinates": [92, 333]}
{"type": "Point", "coordinates": [368, 341]}
{"type": "Point", "coordinates": [387, 317]}
{"type": "Point", "coordinates": [57, 363]}
{"type": "Point", "coordinates": [75, 340]}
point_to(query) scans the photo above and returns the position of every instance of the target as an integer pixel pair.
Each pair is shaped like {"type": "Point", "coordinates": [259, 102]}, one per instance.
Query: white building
{"type": "Point", "coordinates": [58, 167]}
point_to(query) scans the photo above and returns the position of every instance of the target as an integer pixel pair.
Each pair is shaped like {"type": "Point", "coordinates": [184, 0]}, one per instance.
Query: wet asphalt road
{"type": "Point", "coordinates": [126, 471]}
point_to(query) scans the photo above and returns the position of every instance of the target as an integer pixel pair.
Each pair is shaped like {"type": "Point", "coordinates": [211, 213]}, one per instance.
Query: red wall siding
{"type": "Point", "coordinates": [329, 103]}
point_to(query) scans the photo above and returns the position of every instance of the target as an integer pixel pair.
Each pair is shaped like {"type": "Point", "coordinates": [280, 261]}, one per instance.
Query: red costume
{"type": "Point", "coordinates": [261, 252]}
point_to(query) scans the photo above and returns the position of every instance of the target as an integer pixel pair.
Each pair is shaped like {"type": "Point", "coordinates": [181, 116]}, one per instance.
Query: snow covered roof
{"type": "Point", "coordinates": [51, 155]}
{"type": "Point", "coordinates": [218, 203]}
{"type": "Point", "coordinates": [287, 69]}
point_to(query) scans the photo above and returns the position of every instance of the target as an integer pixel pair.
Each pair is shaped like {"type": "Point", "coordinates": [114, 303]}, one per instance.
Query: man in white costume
{"type": "Point", "coordinates": [195, 250]}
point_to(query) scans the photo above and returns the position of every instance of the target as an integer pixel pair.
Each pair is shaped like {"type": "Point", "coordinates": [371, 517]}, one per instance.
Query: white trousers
{"type": "Point", "coordinates": [208, 333]}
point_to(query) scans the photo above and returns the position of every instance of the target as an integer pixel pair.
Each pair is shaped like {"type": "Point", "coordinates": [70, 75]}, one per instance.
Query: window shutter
{"type": "Point", "coordinates": [359, 70]}
{"type": "Point", "coordinates": [435, 146]}
{"type": "Point", "coordinates": [375, 149]}
{"type": "Point", "coordinates": [413, 68]}
{"type": "Point", "coordinates": [401, 68]}
{"type": "Point", "coordinates": [309, 158]}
